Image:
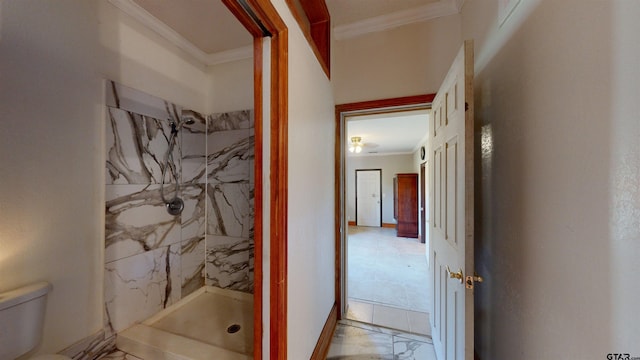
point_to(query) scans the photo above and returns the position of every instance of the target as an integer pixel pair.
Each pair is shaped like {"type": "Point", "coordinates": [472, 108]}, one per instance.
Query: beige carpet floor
{"type": "Point", "coordinates": [387, 279]}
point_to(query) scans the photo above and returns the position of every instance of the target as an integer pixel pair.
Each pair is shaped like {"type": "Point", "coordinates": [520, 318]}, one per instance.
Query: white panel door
{"type": "Point", "coordinates": [368, 205]}
{"type": "Point", "coordinates": [451, 230]}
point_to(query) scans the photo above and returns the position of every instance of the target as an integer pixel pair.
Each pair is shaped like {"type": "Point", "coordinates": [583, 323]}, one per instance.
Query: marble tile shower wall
{"type": "Point", "coordinates": [153, 259]}
{"type": "Point", "coordinates": [230, 195]}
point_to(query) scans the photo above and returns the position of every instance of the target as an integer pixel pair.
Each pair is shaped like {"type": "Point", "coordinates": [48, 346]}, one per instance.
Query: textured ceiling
{"type": "Point", "coordinates": [207, 24]}
{"type": "Point", "coordinates": [399, 132]}
{"type": "Point", "coordinates": [210, 26]}
{"type": "Point", "coordinates": [349, 11]}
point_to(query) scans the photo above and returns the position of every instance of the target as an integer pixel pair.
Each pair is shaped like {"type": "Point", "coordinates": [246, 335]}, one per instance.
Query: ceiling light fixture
{"type": "Point", "coordinates": [356, 144]}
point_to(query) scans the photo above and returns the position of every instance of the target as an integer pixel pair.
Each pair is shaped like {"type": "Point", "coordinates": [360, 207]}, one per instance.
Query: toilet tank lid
{"type": "Point", "coordinates": [25, 293]}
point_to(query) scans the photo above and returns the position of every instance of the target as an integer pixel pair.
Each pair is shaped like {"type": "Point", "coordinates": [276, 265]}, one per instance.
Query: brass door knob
{"type": "Point", "coordinates": [456, 275]}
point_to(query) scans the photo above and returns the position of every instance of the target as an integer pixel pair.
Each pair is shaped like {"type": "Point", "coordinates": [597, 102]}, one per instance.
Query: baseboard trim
{"type": "Point", "coordinates": [324, 340]}
{"type": "Point", "coordinates": [384, 225]}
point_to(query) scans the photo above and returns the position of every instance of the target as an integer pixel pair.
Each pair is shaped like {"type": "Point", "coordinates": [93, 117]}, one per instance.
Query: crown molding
{"type": "Point", "coordinates": [399, 18]}
{"type": "Point", "coordinates": [245, 52]}
{"type": "Point", "coordinates": [362, 154]}
{"type": "Point", "coordinates": [137, 12]}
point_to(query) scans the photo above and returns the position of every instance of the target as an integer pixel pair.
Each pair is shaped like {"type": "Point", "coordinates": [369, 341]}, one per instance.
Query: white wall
{"type": "Point", "coordinates": [557, 91]}
{"type": "Point", "coordinates": [408, 60]}
{"type": "Point", "coordinates": [135, 56]}
{"type": "Point", "coordinates": [311, 253]}
{"type": "Point", "coordinates": [230, 86]}
{"type": "Point", "coordinates": [390, 165]}
{"type": "Point", "coordinates": [266, 199]}
{"type": "Point", "coordinates": [53, 57]}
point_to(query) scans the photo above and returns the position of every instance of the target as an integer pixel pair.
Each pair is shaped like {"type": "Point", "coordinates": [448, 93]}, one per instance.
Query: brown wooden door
{"type": "Point", "coordinates": [407, 200]}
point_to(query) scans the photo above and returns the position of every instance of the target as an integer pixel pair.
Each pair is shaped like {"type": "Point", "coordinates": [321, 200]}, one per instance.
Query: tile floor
{"type": "Point", "coordinates": [387, 287]}
{"type": "Point", "coordinates": [387, 280]}
{"type": "Point", "coordinates": [120, 355]}
{"type": "Point", "coordinates": [354, 340]}
{"type": "Point", "coordinates": [395, 318]}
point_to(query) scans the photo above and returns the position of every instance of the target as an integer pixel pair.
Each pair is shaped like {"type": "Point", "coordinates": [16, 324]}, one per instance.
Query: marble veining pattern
{"type": "Point", "coordinates": [230, 195]}
{"type": "Point", "coordinates": [350, 342]}
{"type": "Point", "coordinates": [136, 148]}
{"type": "Point", "coordinates": [193, 216]}
{"type": "Point", "coordinates": [230, 210]}
{"type": "Point", "coordinates": [194, 149]}
{"type": "Point", "coordinates": [411, 349]}
{"type": "Point", "coordinates": [354, 340]}
{"type": "Point", "coordinates": [93, 347]}
{"type": "Point", "coordinates": [243, 119]}
{"type": "Point", "coordinates": [228, 263]}
{"type": "Point", "coordinates": [229, 155]}
{"type": "Point", "coordinates": [139, 286]}
{"type": "Point", "coordinates": [136, 221]}
{"type": "Point", "coordinates": [153, 259]}
{"type": "Point", "coordinates": [120, 355]}
{"type": "Point", "coordinates": [193, 264]}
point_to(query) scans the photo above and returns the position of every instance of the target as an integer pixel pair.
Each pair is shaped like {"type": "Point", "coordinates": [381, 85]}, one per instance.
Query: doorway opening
{"type": "Point", "coordinates": [270, 41]}
{"type": "Point", "coordinates": [381, 274]}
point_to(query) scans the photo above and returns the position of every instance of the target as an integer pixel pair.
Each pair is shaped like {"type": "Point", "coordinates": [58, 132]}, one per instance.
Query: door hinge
{"type": "Point", "coordinates": [466, 106]}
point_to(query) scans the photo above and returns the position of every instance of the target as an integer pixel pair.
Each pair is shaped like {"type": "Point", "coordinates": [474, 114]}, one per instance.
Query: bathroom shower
{"type": "Point", "coordinates": [176, 204]}
{"type": "Point", "coordinates": [198, 261]}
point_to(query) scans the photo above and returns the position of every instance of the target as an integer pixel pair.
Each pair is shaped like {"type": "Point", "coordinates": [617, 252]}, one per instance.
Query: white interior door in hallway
{"type": "Point", "coordinates": [368, 200]}
{"type": "Point", "coordinates": [451, 179]}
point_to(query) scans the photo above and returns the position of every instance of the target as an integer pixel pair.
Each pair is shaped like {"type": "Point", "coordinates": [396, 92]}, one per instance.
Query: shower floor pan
{"type": "Point", "coordinates": [210, 323]}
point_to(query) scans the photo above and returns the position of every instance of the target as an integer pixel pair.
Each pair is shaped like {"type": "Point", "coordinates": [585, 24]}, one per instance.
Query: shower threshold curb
{"type": "Point", "coordinates": [149, 343]}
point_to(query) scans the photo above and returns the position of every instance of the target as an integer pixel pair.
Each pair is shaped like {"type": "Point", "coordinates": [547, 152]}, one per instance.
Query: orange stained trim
{"type": "Point", "coordinates": [385, 103]}
{"type": "Point", "coordinates": [278, 176]}
{"type": "Point", "coordinates": [324, 340]}
{"type": "Point", "coordinates": [381, 104]}
{"type": "Point", "coordinates": [315, 22]}
{"type": "Point", "coordinates": [270, 19]}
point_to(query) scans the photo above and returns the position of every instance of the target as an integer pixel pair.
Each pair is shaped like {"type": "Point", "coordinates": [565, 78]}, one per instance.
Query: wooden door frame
{"type": "Point", "coordinates": [356, 192]}
{"type": "Point", "coordinates": [423, 205]}
{"type": "Point", "coordinates": [343, 110]}
{"type": "Point", "coordinates": [264, 12]}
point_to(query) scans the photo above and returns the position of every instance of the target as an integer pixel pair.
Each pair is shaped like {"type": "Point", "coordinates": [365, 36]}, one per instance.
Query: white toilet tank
{"type": "Point", "coordinates": [22, 319]}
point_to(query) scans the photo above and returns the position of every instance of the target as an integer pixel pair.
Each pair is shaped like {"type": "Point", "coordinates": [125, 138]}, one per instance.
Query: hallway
{"type": "Point", "coordinates": [387, 280]}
